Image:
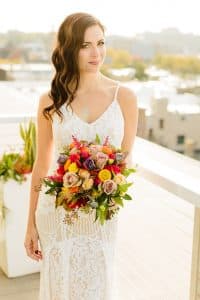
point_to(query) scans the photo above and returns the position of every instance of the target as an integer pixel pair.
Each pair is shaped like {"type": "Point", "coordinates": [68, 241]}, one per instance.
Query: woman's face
{"type": "Point", "coordinates": [93, 51]}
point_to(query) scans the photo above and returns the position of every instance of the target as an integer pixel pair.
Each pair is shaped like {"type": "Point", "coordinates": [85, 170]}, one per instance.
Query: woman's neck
{"type": "Point", "coordinates": [90, 82]}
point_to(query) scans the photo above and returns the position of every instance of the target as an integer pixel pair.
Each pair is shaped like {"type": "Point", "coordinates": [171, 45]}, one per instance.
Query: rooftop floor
{"type": "Point", "coordinates": [154, 249]}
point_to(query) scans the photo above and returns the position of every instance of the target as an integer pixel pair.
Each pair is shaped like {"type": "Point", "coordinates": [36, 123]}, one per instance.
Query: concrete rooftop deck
{"type": "Point", "coordinates": [154, 249]}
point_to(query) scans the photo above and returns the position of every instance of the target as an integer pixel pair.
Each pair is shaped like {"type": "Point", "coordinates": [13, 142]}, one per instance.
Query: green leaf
{"type": "Point", "coordinates": [102, 216]}
{"type": "Point", "coordinates": [125, 186]}
{"type": "Point", "coordinates": [22, 133]}
{"type": "Point", "coordinates": [50, 191]}
{"type": "Point", "coordinates": [127, 172]}
{"type": "Point", "coordinates": [97, 139]}
{"type": "Point", "coordinates": [127, 197]}
{"type": "Point", "coordinates": [119, 201]}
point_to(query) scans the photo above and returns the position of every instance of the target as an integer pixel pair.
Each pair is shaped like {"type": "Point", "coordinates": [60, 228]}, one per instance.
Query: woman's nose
{"type": "Point", "coordinates": [95, 51]}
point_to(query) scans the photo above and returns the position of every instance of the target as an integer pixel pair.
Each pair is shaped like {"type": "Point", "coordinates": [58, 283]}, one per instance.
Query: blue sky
{"type": "Point", "coordinates": [126, 17]}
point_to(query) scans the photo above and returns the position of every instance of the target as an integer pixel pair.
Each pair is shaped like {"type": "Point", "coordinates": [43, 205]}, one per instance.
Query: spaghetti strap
{"type": "Point", "coordinates": [116, 91]}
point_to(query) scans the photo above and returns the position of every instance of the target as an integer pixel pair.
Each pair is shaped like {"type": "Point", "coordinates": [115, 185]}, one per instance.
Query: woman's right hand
{"type": "Point", "coordinates": [31, 243]}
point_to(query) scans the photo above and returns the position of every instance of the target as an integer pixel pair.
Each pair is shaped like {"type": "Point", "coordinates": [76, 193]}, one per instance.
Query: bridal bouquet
{"type": "Point", "coordinates": [90, 176]}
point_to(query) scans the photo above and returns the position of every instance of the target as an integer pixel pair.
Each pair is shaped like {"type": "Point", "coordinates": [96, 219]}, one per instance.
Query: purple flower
{"type": "Point", "coordinates": [62, 159]}
{"type": "Point", "coordinates": [121, 156]}
{"type": "Point", "coordinates": [89, 164]}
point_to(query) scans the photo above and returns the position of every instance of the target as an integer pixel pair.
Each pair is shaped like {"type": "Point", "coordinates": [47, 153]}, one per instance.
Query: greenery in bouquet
{"type": "Point", "coordinates": [15, 165]}
{"type": "Point", "coordinates": [89, 176]}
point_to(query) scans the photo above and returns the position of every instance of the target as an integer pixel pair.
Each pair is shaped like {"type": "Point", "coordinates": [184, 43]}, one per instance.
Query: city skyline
{"type": "Point", "coordinates": [140, 16]}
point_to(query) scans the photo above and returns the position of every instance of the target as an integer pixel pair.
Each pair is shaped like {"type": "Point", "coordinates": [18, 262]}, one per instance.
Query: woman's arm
{"type": "Point", "coordinates": [128, 103]}
{"type": "Point", "coordinates": [44, 148]}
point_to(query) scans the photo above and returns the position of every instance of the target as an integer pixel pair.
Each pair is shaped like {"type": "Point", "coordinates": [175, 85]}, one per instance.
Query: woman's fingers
{"type": "Point", "coordinates": [31, 244]}
{"type": "Point", "coordinates": [37, 253]}
{"type": "Point", "coordinates": [30, 251]}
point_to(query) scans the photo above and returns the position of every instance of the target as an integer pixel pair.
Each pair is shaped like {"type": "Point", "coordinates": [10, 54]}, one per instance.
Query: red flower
{"type": "Point", "coordinates": [122, 166]}
{"type": "Point", "coordinates": [78, 203]}
{"type": "Point", "coordinates": [61, 170]}
{"type": "Point", "coordinates": [73, 205]}
{"type": "Point", "coordinates": [85, 154]}
{"type": "Point", "coordinates": [97, 181]}
{"type": "Point", "coordinates": [116, 169]}
{"type": "Point", "coordinates": [74, 157]}
{"type": "Point", "coordinates": [56, 178]}
{"type": "Point", "coordinates": [112, 155]}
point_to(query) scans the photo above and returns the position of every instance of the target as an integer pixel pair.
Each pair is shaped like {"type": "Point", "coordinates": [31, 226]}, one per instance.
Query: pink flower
{"type": "Point", "coordinates": [109, 186]}
{"type": "Point", "coordinates": [71, 179]}
{"type": "Point", "coordinates": [101, 160]}
{"type": "Point", "coordinates": [94, 149]}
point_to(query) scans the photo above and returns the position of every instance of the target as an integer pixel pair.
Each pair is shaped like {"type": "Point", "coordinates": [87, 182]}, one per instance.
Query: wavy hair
{"type": "Point", "coordinates": [66, 80]}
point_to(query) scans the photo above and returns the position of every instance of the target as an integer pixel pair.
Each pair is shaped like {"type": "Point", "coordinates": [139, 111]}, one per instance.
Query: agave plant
{"type": "Point", "coordinates": [28, 134]}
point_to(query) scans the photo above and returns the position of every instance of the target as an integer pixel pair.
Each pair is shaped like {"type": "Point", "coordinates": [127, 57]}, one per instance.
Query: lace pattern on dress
{"type": "Point", "coordinates": [78, 259]}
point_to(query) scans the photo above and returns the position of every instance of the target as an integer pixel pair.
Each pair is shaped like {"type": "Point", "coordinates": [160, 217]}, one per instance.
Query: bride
{"type": "Point", "coordinates": [77, 260]}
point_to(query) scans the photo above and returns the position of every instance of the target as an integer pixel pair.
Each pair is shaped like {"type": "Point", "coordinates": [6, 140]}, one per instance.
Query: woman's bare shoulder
{"type": "Point", "coordinates": [128, 101]}
{"type": "Point", "coordinates": [45, 100]}
{"type": "Point", "coordinates": [126, 94]}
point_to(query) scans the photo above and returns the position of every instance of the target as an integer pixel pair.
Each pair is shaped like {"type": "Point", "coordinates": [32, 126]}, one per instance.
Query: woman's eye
{"type": "Point", "coordinates": [86, 45]}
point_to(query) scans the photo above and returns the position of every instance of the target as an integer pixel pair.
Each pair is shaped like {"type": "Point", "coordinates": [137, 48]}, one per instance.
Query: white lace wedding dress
{"type": "Point", "coordinates": [79, 259]}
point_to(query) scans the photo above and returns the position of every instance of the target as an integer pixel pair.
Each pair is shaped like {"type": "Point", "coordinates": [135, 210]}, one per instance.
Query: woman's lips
{"type": "Point", "coordinates": [93, 62]}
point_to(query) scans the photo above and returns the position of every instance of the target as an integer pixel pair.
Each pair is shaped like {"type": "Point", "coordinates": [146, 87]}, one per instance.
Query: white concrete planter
{"type": "Point", "coordinates": [14, 198]}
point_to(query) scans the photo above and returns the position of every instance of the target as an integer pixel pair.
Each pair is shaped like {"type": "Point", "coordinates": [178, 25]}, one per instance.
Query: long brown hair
{"type": "Point", "coordinates": [66, 80]}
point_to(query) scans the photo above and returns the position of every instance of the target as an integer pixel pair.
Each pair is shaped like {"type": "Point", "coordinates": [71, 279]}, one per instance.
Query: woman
{"type": "Point", "coordinates": [77, 259]}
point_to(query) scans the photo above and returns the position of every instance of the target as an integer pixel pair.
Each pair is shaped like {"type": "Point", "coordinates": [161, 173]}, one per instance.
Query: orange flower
{"type": "Point", "coordinates": [66, 165]}
{"type": "Point", "coordinates": [74, 189]}
{"type": "Point", "coordinates": [84, 149]}
{"type": "Point", "coordinates": [106, 150]}
{"type": "Point", "coordinates": [72, 145]}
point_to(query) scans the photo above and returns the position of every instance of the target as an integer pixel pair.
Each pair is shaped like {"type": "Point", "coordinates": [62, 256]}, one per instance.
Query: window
{"type": "Point", "coordinates": [161, 123]}
{"type": "Point", "coordinates": [180, 139]}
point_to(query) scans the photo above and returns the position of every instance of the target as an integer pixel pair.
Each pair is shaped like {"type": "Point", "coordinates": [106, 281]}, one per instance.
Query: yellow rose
{"type": "Point", "coordinates": [87, 184]}
{"type": "Point", "coordinates": [104, 175]}
{"type": "Point", "coordinates": [73, 167]}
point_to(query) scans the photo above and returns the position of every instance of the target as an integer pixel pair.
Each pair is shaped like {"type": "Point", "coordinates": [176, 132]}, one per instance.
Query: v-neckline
{"type": "Point", "coordinates": [99, 118]}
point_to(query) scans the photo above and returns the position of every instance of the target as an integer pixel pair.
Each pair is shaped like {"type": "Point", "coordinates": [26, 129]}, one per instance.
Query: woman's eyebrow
{"type": "Point", "coordinates": [90, 42]}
